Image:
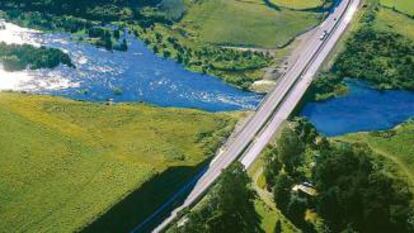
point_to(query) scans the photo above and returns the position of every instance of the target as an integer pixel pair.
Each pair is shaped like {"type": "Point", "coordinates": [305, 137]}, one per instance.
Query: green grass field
{"type": "Point", "coordinates": [298, 4]}
{"type": "Point", "coordinates": [269, 218]}
{"type": "Point", "coordinates": [63, 163]}
{"type": "Point", "coordinates": [388, 20]}
{"type": "Point", "coordinates": [248, 23]}
{"type": "Point", "coordinates": [405, 6]}
{"type": "Point", "coordinates": [395, 145]}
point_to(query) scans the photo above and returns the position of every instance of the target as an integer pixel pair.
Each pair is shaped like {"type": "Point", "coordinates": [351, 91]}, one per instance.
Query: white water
{"type": "Point", "coordinates": [27, 80]}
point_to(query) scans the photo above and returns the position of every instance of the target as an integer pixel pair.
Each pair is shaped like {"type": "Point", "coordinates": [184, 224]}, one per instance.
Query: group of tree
{"type": "Point", "coordinates": [228, 207]}
{"type": "Point", "coordinates": [19, 57]}
{"type": "Point", "coordinates": [230, 64]}
{"type": "Point", "coordinates": [108, 38]}
{"type": "Point", "coordinates": [355, 191]}
{"type": "Point", "coordinates": [383, 58]}
{"type": "Point", "coordinates": [92, 16]}
{"type": "Point", "coordinates": [102, 10]}
{"type": "Point", "coordinates": [284, 167]}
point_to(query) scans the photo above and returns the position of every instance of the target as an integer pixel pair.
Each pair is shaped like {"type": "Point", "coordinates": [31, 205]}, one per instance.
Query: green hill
{"type": "Point", "coordinates": [245, 23]}
{"type": "Point", "coordinates": [64, 163]}
{"type": "Point", "coordinates": [405, 6]}
{"type": "Point", "coordinates": [395, 145]}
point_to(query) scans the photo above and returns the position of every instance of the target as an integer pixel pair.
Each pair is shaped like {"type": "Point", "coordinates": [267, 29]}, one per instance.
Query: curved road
{"type": "Point", "coordinates": [276, 107]}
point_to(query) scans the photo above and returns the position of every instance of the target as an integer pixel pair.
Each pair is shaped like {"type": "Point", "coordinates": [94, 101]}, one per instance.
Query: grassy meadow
{"type": "Point", "coordinates": [395, 145]}
{"type": "Point", "coordinates": [64, 163]}
{"type": "Point", "coordinates": [391, 21]}
{"type": "Point", "coordinates": [298, 4]}
{"type": "Point", "coordinates": [405, 6]}
{"type": "Point", "coordinates": [271, 217]}
{"type": "Point", "coordinates": [244, 23]}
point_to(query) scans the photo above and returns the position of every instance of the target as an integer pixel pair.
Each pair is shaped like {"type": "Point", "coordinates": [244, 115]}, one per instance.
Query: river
{"type": "Point", "coordinates": [362, 109]}
{"type": "Point", "coordinates": [137, 75]}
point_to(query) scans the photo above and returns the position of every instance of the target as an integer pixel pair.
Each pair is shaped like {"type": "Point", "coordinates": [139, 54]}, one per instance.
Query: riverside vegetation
{"type": "Point", "coordinates": [65, 163]}
{"type": "Point", "coordinates": [178, 29]}
{"type": "Point", "coordinates": [380, 51]}
{"type": "Point", "coordinates": [20, 57]}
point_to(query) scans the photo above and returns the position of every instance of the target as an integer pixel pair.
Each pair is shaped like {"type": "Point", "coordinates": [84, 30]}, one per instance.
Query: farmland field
{"type": "Point", "coordinates": [298, 4]}
{"type": "Point", "coordinates": [405, 6]}
{"type": "Point", "coordinates": [245, 23]}
{"type": "Point", "coordinates": [63, 163]}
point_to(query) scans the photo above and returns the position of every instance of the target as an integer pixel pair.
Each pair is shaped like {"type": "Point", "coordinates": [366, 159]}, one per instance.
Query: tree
{"type": "Point", "coordinates": [230, 206]}
{"type": "Point", "coordinates": [278, 227]}
{"type": "Point", "coordinates": [281, 191]}
{"type": "Point", "coordinates": [107, 40]}
{"type": "Point", "coordinates": [166, 53]}
{"type": "Point", "coordinates": [117, 34]}
{"type": "Point", "coordinates": [124, 45]}
{"type": "Point", "coordinates": [306, 132]}
{"type": "Point", "coordinates": [290, 149]}
{"type": "Point", "coordinates": [272, 165]}
{"type": "Point", "coordinates": [296, 209]}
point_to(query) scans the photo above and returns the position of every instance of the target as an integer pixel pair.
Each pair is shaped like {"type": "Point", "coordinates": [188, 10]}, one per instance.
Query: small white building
{"type": "Point", "coordinates": [305, 188]}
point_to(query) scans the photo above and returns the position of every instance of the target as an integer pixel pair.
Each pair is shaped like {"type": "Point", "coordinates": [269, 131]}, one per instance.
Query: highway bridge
{"type": "Point", "coordinates": [276, 107]}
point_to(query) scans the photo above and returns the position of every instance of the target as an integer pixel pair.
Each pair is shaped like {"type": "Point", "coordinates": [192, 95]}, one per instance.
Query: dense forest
{"type": "Point", "coordinates": [20, 57]}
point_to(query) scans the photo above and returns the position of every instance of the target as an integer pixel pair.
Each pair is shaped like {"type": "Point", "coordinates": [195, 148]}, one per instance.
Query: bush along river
{"type": "Point", "coordinates": [362, 109]}
{"type": "Point", "coordinates": [136, 75]}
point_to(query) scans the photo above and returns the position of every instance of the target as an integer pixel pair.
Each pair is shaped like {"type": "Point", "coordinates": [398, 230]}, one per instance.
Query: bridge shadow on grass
{"type": "Point", "coordinates": [150, 204]}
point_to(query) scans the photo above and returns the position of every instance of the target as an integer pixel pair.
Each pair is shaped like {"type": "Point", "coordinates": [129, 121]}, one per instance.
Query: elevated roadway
{"type": "Point", "coordinates": [276, 107]}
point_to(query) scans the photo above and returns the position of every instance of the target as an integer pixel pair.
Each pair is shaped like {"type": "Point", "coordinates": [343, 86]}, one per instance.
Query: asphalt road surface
{"type": "Point", "coordinates": [277, 105]}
